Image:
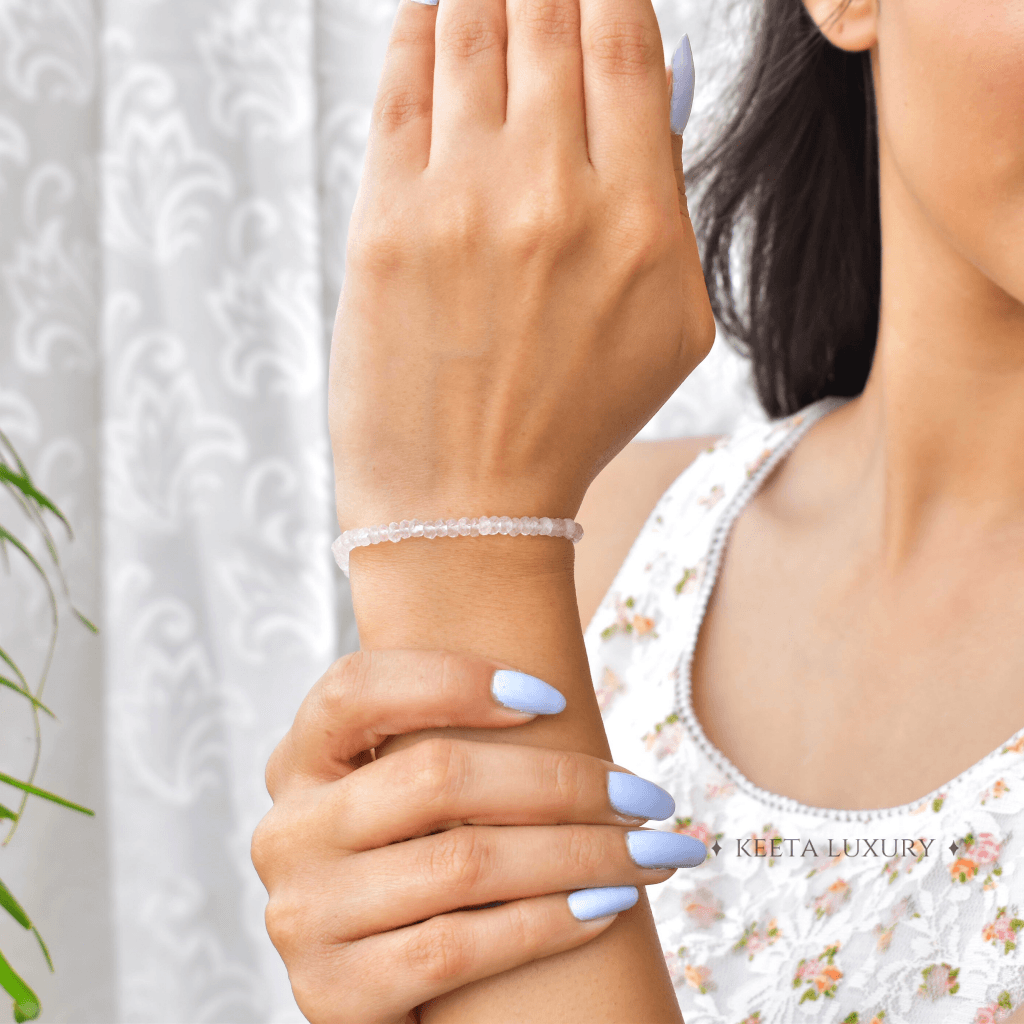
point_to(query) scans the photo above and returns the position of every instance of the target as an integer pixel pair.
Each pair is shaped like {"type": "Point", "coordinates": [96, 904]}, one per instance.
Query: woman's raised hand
{"type": "Point", "coordinates": [523, 289]}
{"type": "Point", "coordinates": [369, 862]}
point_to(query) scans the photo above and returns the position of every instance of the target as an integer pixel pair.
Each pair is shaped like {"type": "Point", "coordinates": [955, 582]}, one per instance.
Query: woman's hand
{"type": "Point", "coordinates": [365, 860]}
{"type": "Point", "coordinates": [523, 289]}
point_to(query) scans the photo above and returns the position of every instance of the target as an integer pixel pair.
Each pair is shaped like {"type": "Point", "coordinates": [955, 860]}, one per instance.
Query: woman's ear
{"type": "Point", "coordinates": [849, 24]}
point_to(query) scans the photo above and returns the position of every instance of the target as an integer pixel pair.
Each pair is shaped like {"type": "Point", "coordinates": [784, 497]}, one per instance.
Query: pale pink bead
{"type": "Point", "coordinates": [503, 524]}
{"type": "Point", "coordinates": [515, 527]}
{"type": "Point", "coordinates": [453, 527]}
{"type": "Point", "coordinates": [374, 535]}
{"type": "Point", "coordinates": [417, 529]}
{"type": "Point", "coordinates": [474, 528]}
{"type": "Point", "coordinates": [429, 531]}
{"type": "Point", "coordinates": [363, 537]}
{"type": "Point", "coordinates": [534, 525]}
{"type": "Point", "coordinates": [495, 525]}
{"type": "Point", "coordinates": [578, 534]}
{"type": "Point", "coordinates": [405, 529]}
{"type": "Point", "coordinates": [394, 533]}
{"type": "Point", "coordinates": [546, 526]}
{"type": "Point", "coordinates": [464, 526]}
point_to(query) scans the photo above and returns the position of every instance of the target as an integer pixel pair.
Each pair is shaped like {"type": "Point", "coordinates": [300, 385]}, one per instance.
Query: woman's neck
{"type": "Point", "coordinates": [933, 451]}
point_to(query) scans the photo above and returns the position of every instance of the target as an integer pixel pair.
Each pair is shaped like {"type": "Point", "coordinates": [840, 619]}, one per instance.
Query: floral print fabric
{"type": "Point", "coordinates": [908, 913]}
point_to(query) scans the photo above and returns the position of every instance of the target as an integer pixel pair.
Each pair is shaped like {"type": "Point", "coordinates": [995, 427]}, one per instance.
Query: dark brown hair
{"type": "Point", "coordinates": [794, 175]}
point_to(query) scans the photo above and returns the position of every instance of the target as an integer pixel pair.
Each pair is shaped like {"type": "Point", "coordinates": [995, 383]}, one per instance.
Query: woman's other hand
{"type": "Point", "coordinates": [368, 862]}
{"type": "Point", "coordinates": [523, 289]}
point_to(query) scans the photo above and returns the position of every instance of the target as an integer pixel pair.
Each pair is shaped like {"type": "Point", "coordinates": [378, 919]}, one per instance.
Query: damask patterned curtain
{"type": "Point", "coordinates": [176, 177]}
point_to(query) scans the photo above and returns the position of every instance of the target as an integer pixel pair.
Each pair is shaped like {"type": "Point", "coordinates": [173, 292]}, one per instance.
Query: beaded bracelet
{"type": "Point", "coordinates": [483, 526]}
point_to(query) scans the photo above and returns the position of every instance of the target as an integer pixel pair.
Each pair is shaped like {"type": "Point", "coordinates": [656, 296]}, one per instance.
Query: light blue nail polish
{"type": "Point", "coordinates": [665, 850]}
{"type": "Point", "coordinates": [683, 82]}
{"type": "Point", "coordinates": [426, 3]}
{"type": "Point", "coordinates": [520, 692]}
{"type": "Point", "coordinates": [586, 904]}
{"type": "Point", "coordinates": [638, 798]}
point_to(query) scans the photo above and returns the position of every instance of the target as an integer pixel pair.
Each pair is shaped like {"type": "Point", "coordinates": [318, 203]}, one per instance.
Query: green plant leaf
{"type": "Point", "coordinates": [24, 484]}
{"type": "Point", "coordinates": [42, 946]}
{"type": "Point", "coordinates": [6, 812]}
{"type": "Point", "coordinates": [5, 657]}
{"type": "Point", "coordinates": [10, 684]}
{"type": "Point", "coordinates": [86, 622]}
{"type": "Point", "coordinates": [13, 907]}
{"type": "Point", "coordinates": [26, 1002]}
{"type": "Point", "coordinates": [36, 791]}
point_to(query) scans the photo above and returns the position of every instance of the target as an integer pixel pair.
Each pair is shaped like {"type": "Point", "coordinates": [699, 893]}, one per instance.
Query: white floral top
{"type": "Point", "coordinates": [799, 913]}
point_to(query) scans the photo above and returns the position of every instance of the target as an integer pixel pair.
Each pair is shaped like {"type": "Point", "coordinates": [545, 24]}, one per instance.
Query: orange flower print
{"type": "Point", "coordinates": [608, 689]}
{"type": "Point", "coordinates": [1016, 747]}
{"type": "Point", "coordinates": [713, 497]}
{"type": "Point", "coordinates": [856, 1018]}
{"type": "Point", "coordinates": [974, 853]}
{"type": "Point", "coordinates": [831, 899]}
{"type": "Point", "coordinates": [674, 963]}
{"type": "Point", "coordinates": [754, 1018]}
{"type": "Point", "coordinates": [755, 938]}
{"type": "Point", "coordinates": [719, 790]}
{"type": "Point", "coordinates": [995, 1013]}
{"type": "Point", "coordinates": [884, 931]}
{"type": "Point", "coordinates": [761, 843]}
{"type": "Point", "coordinates": [628, 621]}
{"type": "Point", "coordinates": [998, 789]}
{"type": "Point", "coordinates": [1002, 929]}
{"type": "Point", "coordinates": [819, 976]}
{"type": "Point", "coordinates": [665, 737]}
{"type": "Point", "coordinates": [699, 978]}
{"type": "Point", "coordinates": [939, 980]}
{"type": "Point", "coordinates": [702, 906]}
{"type": "Point", "coordinates": [754, 466]}
{"type": "Point", "coordinates": [688, 827]}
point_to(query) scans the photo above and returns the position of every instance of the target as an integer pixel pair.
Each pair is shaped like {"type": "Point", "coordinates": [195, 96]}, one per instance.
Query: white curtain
{"type": "Point", "coordinates": [176, 177]}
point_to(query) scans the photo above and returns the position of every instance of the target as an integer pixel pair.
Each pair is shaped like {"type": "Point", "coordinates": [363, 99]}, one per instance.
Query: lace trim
{"type": "Point", "coordinates": [803, 421]}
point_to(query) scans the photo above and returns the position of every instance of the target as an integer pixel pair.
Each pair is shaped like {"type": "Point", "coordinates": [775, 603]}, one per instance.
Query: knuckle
{"type": "Point", "coordinates": [438, 952]}
{"type": "Point", "coordinates": [437, 771]}
{"type": "Point", "coordinates": [552, 22]}
{"type": "Point", "coordinates": [287, 923]}
{"type": "Point", "coordinates": [459, 859]}
{"type": "Point", "coordinates": [262, 846]}
{"type": "Point", "coordinates": [523, 928]}
{"type": "Point", "coordinates": [585, 852]}
{"type": "Point", "coordinates": [395, 107]}
{"type": "Point", "coordinates": [544, 222]}
{"type": "Point", "coordinates": [563, 772]}
{"type": "Point", "coordinates": [467, 38]}
{"type": "Point", "coordinates": [623, 48]}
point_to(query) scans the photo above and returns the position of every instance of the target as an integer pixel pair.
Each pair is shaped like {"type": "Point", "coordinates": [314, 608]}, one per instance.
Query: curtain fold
{"type": "Point", "coordinates": [176, 177]}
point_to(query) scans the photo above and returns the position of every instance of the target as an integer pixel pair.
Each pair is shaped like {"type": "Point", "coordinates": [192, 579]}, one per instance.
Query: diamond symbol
{"type": "Point", "coordinates": [953, 848]}
{"type": "Point", "coordinates": [716, 848]}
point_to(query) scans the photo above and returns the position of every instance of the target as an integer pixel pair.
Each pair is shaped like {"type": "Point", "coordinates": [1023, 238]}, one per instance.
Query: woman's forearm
{"type": "Point", "coordinates": [514, 599]}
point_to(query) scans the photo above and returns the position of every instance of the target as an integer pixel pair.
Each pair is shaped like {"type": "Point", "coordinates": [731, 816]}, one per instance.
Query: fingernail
{"type": "Point", "coordinates": [520, 692]}
{"type": "Point", "coordinates": [665, 850]}
{"type": "Point", "coordinates": [683, 81]}
{"type": "Point", "coordinates": [586, 904]}
{"type": "Point", "coordinates": [637, 798]}
{"type": "Point", "coordinates": [426, 3]}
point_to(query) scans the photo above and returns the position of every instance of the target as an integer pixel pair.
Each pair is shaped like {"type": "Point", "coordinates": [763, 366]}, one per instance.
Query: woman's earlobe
{"type": "Point", "coordinates": [850, 25]}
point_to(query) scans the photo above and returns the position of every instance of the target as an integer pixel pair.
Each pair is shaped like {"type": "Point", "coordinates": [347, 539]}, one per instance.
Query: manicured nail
{"type": "Point", "coordinates": [683, 81]}
{"type": "Point", "coordinates": [426, 3]}
{"type": "Point", "coordinates": [665, 850]}
{"type": "Point", "coordinates": [586, 904]}
{"type": "Point", "coordinates": [520, 692]}
{"type": "Point", "coordinates": [637, 798]}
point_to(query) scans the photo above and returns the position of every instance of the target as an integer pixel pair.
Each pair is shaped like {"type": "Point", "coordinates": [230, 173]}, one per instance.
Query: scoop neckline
{"type": "Point", "coordinates": [799, 424]}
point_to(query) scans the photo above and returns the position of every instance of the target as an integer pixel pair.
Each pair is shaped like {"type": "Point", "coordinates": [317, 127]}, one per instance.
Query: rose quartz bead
{"type": "Point", "coordinates": [546, 526]}
{"type": "Point", "coordinates": [417, 529]}
{"type": "Point", "coordinates": [464, 526]}
{"type": "Point", "coordinates": [474, 527]}
{"type": "Point", "coordinates": [394, 533]}
{"type": "Point", "coordinates": [515, 527]}
{"type": "Point", "coordinates": [429, 531]}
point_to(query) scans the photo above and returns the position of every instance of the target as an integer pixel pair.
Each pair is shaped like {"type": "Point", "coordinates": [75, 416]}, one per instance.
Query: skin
{"type": "Point", "coordinates": [891, 542]}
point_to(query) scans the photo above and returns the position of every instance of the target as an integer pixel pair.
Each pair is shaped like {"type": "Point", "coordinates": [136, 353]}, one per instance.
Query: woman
{"type": "Point", "coordinates": [807, 634]}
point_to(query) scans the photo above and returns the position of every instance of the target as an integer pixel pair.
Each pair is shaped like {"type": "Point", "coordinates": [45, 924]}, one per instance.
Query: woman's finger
{"type": "Point", "coordinates": [368, 696]}
{"type": "Point", "coordinates": [441, 783]}
{"type": "Point", "coordinates": [545, 76]}
{"type": "Point", "coordinates": [626, 104]}
{"type": "Point", "coordinates": [400, 124]}
{"type": "Point", "coordinates": [406, 882]}
{"type": "Point", "coordinates": [470, 83]}
{"type": "Point", "coordinates": [380, 977]}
